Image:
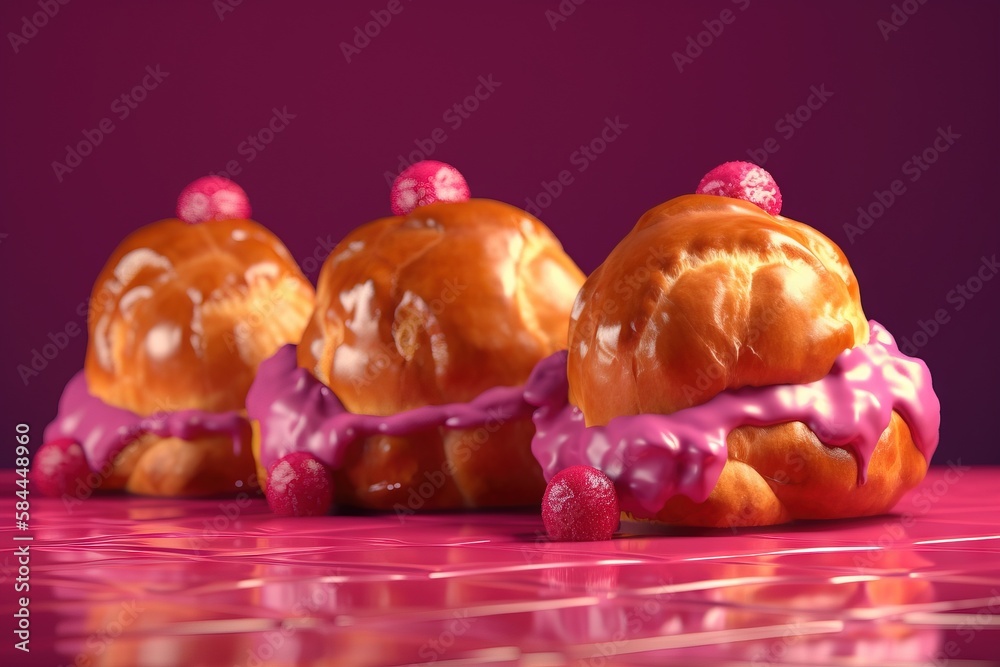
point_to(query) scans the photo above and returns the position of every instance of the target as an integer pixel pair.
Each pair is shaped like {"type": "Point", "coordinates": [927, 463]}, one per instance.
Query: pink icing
{"type": "Point", "coordinates": [649, 457]}
{"type": "Point", "coordinates": [654, 457]}
{"type": "Point", "coordinates": [298, 413]}
{"type": "Point", "coordinates": [104, 430]}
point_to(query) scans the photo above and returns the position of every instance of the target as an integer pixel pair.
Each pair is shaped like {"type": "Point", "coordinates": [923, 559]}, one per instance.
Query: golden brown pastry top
{"type": "Point", "coordinates": [438, 306]}
{"type": "Point", "coordinates": [182, 314]}
{"type": "Point", "coordinates": [705, 294]}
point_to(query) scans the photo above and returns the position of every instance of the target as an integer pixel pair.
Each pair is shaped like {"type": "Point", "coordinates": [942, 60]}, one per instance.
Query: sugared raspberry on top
{"type": "Point", "coordinates": [424, 183]}
{"type": "Point", "coordinates": [212, 198]}
{"type": "Point", "coordinates": [743, 180]}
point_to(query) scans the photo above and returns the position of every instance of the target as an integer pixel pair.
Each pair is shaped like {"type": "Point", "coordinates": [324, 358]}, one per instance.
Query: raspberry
{"type": "Point", "coordinates": [59, 466]}
{"type": "Point", "coordinates": [743, 180]}
{"type": "Point", "coordinates": [426, 182]}
{"type": "Point", "coordinates": [580, 505]}
{"type": "Point", "coordinates": [212, 198]}
{"type": "Point", "coordinates": [299, 484]}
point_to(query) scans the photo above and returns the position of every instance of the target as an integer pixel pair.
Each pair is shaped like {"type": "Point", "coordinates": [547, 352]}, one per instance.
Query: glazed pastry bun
{"type": "Point", "coordinates": [707, 296]}
{"type": "Point", "coordinates": [180, 317]}
{"type": "Point", "coordinates": [448, 299]}
{"type": "Point", "coordinates": [729, 297]}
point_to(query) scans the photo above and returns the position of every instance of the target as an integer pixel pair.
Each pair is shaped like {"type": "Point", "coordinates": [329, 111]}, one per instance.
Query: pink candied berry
{"type": "Point", "coordinates": [59, 467]}
{"type": "Point", "coordinates": [580, 505]}
{"type": "Point", "coordinates": [743, 180]}
{"type": "Point", "coordinates": [299, 484]}
{"type": "Point", "coordinates": [212, 198]}
{"type": "Point", "coordinates": [424, 183]}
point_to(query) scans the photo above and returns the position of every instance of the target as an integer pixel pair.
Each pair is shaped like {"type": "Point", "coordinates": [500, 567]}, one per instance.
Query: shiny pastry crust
{"type": "Point", "coordinates": [208, 466]}
{"type": "Point", "coordinates": [776, 474]}
{"type": "Point", "coordinates": [180, 317]}
{"type": "Point", "coordinates": [706, 294]}
{"type": "Point", "coordinates": [437, 307]}
{"type": "Point", "coordinates": [711, 293]}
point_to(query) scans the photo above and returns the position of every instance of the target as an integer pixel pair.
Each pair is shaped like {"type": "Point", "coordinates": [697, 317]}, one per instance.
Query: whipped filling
{"type": "Point", "coordinates": [649, 457]}
{"type": "Point", "coordinates": [104, 430]}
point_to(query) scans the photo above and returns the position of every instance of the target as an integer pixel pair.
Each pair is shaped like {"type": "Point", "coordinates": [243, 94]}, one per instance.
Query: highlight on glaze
{"type": "Point", "coordinates": [103, 430]}
{"type": "Point", "coordinates": [648, 457]}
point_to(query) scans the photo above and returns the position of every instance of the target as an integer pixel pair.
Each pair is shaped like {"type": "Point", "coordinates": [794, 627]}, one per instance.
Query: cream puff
{"type": "Point", "coordinates": [422, 320]}
{"type": "Point", "coordinates": [722, 372]}
{"type": "Point", "coordinates": [180, 317]}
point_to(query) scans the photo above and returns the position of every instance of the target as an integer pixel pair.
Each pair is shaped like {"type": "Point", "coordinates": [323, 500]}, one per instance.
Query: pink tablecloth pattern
{"type": "Point", "coordinates": [150, 582]}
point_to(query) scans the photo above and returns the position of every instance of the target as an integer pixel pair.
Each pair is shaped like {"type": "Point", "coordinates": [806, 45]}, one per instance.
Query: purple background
{"type": "Point", "coordinates": [324, 173]}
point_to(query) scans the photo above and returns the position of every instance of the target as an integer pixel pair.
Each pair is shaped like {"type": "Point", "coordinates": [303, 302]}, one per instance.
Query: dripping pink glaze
{"type": "Point", "coordinates": [104, 430]}
{"type": "Point", "coordinates": [654, 457]}
{"type": "Point", "coordinates": [649, 457]}
{"type": "Point", "coordinates": [298, 413]}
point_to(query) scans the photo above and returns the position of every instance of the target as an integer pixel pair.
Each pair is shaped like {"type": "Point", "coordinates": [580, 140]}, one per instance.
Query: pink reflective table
{"type": "Point", "coordinates": [147, 582]}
